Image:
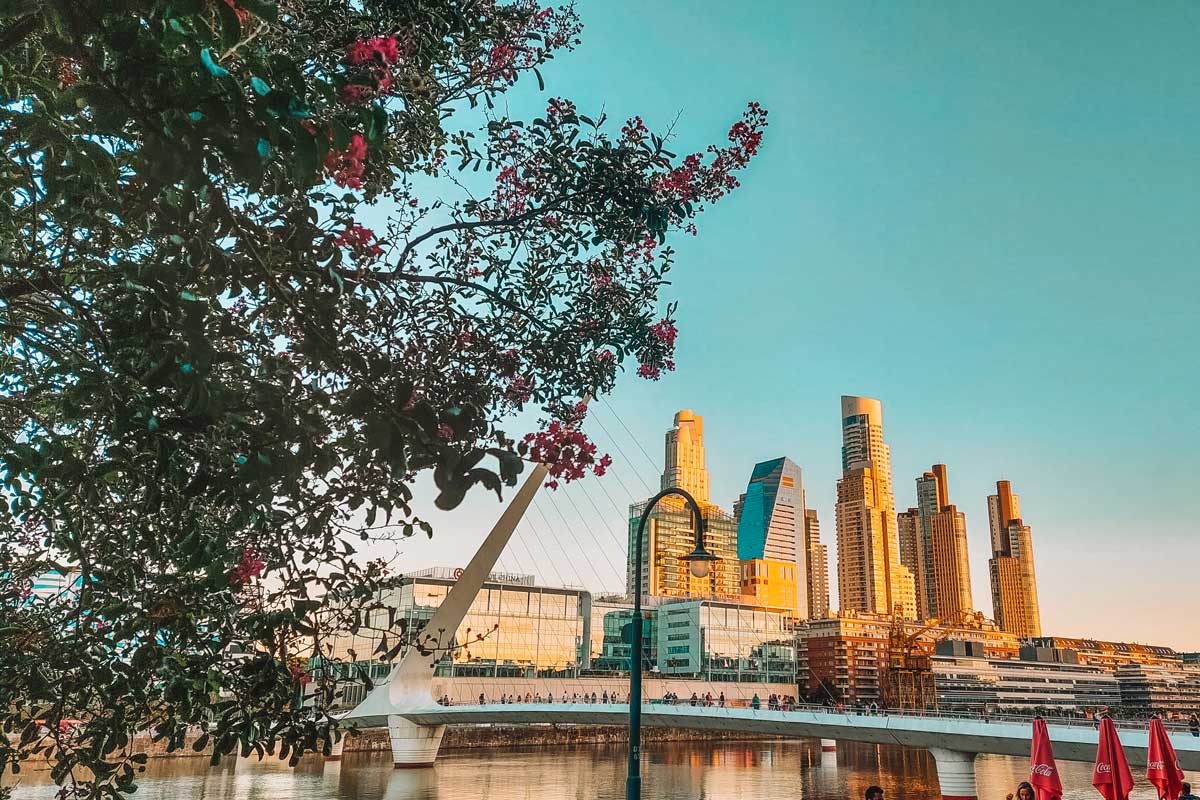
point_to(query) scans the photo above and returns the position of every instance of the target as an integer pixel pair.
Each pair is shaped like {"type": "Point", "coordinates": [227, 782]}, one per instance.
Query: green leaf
{"type": "Point", "coordinates": [214, 69]}
{"type": "Point", "coordinates": [231, 26]}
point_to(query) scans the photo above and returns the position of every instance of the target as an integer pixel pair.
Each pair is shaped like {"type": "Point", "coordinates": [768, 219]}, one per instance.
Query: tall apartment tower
{"type": "Point", "coordinates": [685, 466]}
{"type": "Point", "coordinates": [908, 526]}
{"type": "Point", "coordinates": [670, 533]}
{"type": "Point", "coordinates": [870, 575]}
{"type": "Point", "coordinates": [818, 566]}
{"type": "Point", "coordinates": [770, 537]}
{"type": "Point", "coordinates": [1014, 582]}
{"type": "Point", "coordinates": [943, 569]}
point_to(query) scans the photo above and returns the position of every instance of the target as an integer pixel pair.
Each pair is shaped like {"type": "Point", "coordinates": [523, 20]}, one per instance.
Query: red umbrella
{"type": "Point", "coordinates": [1111, 777]}
{"type": "Point", "coordinates": [1162, 767]}
{"type": "Point", "coordinates": [1043, 772]}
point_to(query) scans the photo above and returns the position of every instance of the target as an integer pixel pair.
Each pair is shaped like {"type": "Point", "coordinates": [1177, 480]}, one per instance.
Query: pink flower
{"type": "Point", "coordinates": [355, 93]}
{"type": "Point", "coordinates": [566, 453]}
{"type": "Point", "coordinates": [361, 242]}
{"type": "Point", "coordinates": [347, 166]}
{"type": "Point", "coordinates": [251, 566]}
{"type": "Point", "coordinates": [665, 332]}
{"type": "Point", "coordinates": [361, 51]}
{"type": "Point", "coordinates": [511, 193]}
{"type": "Point", "coordinates": [520, 390]}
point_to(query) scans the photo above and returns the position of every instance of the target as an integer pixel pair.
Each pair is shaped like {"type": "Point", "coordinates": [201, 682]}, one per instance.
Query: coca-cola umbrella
{"type": "Point", "coordinates": [1043, 772]}
{"type": "Point", "coordinates": [1162, 766]}
{"type": "Point", "coordinates": [1111, 776]}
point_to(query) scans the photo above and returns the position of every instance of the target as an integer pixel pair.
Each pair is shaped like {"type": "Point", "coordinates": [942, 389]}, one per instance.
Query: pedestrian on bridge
{"type": "Point", "coordinates": [1194, 725]}
{"type": "Point", "coordinates": [755, 703]}
{"type": "Point", "coordinates": [721, 700]}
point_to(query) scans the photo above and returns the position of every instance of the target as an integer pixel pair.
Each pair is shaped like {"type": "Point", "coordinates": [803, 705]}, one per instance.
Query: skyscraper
{"type": "Point", "coordinates": [870, 574]}
{"type": "Point", "coordinates": [943, 570]}
{"type": "Point", "coordinates": [1014, 582]}
{"type": "Point", "coordinates": [685, 467]}
{"type": "Point", "coordinates": [908, 527]}
{"type": "Point", "coordinates": [670, 534]}
{"type": "Point", "coordinates": [770, 519]}
{"type": "Point", "coordinates": [817, 557]}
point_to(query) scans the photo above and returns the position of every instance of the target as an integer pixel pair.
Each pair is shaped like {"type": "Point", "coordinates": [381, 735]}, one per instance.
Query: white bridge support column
{"type": "Point", "coordinates": [413, 745]}
{"type": "Point", "coordinates": [829, 745]}
{"type": "Point", "coordinates": [956, 773]}
{"type": "Point", "coordinates": [335, 752]}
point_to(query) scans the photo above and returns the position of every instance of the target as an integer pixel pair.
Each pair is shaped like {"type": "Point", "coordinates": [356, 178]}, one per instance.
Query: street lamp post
{"type": "Point", "coordinates": [700, 560]}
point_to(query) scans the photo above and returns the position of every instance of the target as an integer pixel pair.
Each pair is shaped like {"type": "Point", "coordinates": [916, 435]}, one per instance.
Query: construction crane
{"type": "Point", "coordinates": [906, 672]}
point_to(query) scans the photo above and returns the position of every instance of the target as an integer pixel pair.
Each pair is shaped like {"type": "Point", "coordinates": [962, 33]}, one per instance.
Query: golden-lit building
{"type": "Point", "coordinates": [770, 539]}
{"type": "Point", "coordinates": [670, 535]}
{"type": "Point", "coordinates": [840, 658]}
{"type": "Point", "coordinates": [951, 571]}
{"type": "Point", "coordinates": [871, 577]}
{"type": "Point", "coordinates": [1112, 654]}
{"type": "Point", "coordinates": [685, 467]}
{"type": "Point", "coordinates": [770, 583]}
{"type": "Point", "coordinates": [943, 575]}
{"type": "Point", "coordinates": [817, 563]}
{"type": "Point", "coordinates": [908, 527]}
{"type": "Point", "coordinates": [1011, 568]}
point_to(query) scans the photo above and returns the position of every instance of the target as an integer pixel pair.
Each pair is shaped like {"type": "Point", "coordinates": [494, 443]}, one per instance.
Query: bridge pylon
{"type": "Point", "coordinates": [956, 774]}
{"type": "Point", "coordinates": [409, 687]}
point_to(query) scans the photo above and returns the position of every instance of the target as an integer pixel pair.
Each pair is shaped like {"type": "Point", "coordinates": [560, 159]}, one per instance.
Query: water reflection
{"type": "Point", "coordinates": [792, 769]}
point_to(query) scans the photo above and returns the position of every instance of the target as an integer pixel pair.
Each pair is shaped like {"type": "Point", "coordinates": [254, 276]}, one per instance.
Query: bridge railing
{"type": "Point", "coordinates": [765, 704]}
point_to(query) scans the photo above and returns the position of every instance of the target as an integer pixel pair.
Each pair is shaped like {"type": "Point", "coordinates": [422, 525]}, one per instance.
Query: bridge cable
{"type": "Point", "coordinates": [622, 545]}
{"type": "Point", "coordinates": [654, 467]}
{"type": "Point", "coordinates": [625, 459]}
{"type": "Point", "coordinates": [574, 538]}
{"type": "Point", "coordinates": [592, 532]}
{"type": "Point", "coordinates": [541, 540]}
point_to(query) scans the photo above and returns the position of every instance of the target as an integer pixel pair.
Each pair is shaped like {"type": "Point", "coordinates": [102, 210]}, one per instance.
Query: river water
{"type": "Point", "coordinates": [757, 770]}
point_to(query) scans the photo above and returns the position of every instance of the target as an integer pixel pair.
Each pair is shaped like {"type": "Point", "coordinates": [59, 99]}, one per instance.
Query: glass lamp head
{"type": "Point", "coordinates": [700, 562]}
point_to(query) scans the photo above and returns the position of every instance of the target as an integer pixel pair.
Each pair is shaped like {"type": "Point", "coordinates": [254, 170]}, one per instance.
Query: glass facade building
{"type": "Point", "coordinates": [975, 684]}
{"type": "Point", "coordinates": [669, 536]}
{"type": "Point", "coordinates": [518, 630]}
{"type": "Point", "coordinates": [716, 641]}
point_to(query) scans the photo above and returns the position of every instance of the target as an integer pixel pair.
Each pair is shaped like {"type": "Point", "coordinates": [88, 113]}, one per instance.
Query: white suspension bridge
{"type": "Point", "coordinates": [405, 703]}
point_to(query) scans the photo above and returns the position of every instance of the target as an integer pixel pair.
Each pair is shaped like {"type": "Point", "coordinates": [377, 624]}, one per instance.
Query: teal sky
{"type": "Point", "coordinates": [986, 216]}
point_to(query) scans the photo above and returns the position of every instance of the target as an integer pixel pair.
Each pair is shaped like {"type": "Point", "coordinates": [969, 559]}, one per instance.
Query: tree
{"type": "Point", "coordinates": [250, 290]}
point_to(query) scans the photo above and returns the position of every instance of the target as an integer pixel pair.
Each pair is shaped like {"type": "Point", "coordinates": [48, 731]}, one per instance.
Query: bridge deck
{"type": "Point", "coordinates": [970, 735]}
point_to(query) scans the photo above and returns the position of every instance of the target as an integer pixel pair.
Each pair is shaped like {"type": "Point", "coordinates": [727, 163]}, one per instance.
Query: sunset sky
{"type": "Point", "coordinates": [987, 216]}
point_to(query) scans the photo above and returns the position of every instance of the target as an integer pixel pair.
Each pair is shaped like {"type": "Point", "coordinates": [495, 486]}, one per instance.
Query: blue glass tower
{"type": "Point", "coordinates": [770, 519]}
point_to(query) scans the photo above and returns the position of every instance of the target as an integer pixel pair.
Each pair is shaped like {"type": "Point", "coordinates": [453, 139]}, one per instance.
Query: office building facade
{"type": "Point", "coordinates": [841, 658]}
{"type": "Point", "coordinates": [1173, 690]}
{"type": "Point", "coordinates": [817, 562]}
{"type": "Point", "coordinates": [670, 532]}
{"type": "Point", "coordinates": [770, 536]}
{"type": "Point", "coordinates": [943, 576]}
{"type": "Point", "coordinates": [1011, 568]}
{"type": "Point", "coordinates": [521, 634]}
{"type": "Point", "coordinates": [684, 465]}
{"type": "Point", "coordinates": [1021, 686]}
{"type": "Point", "coordinates": [871, 577]}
